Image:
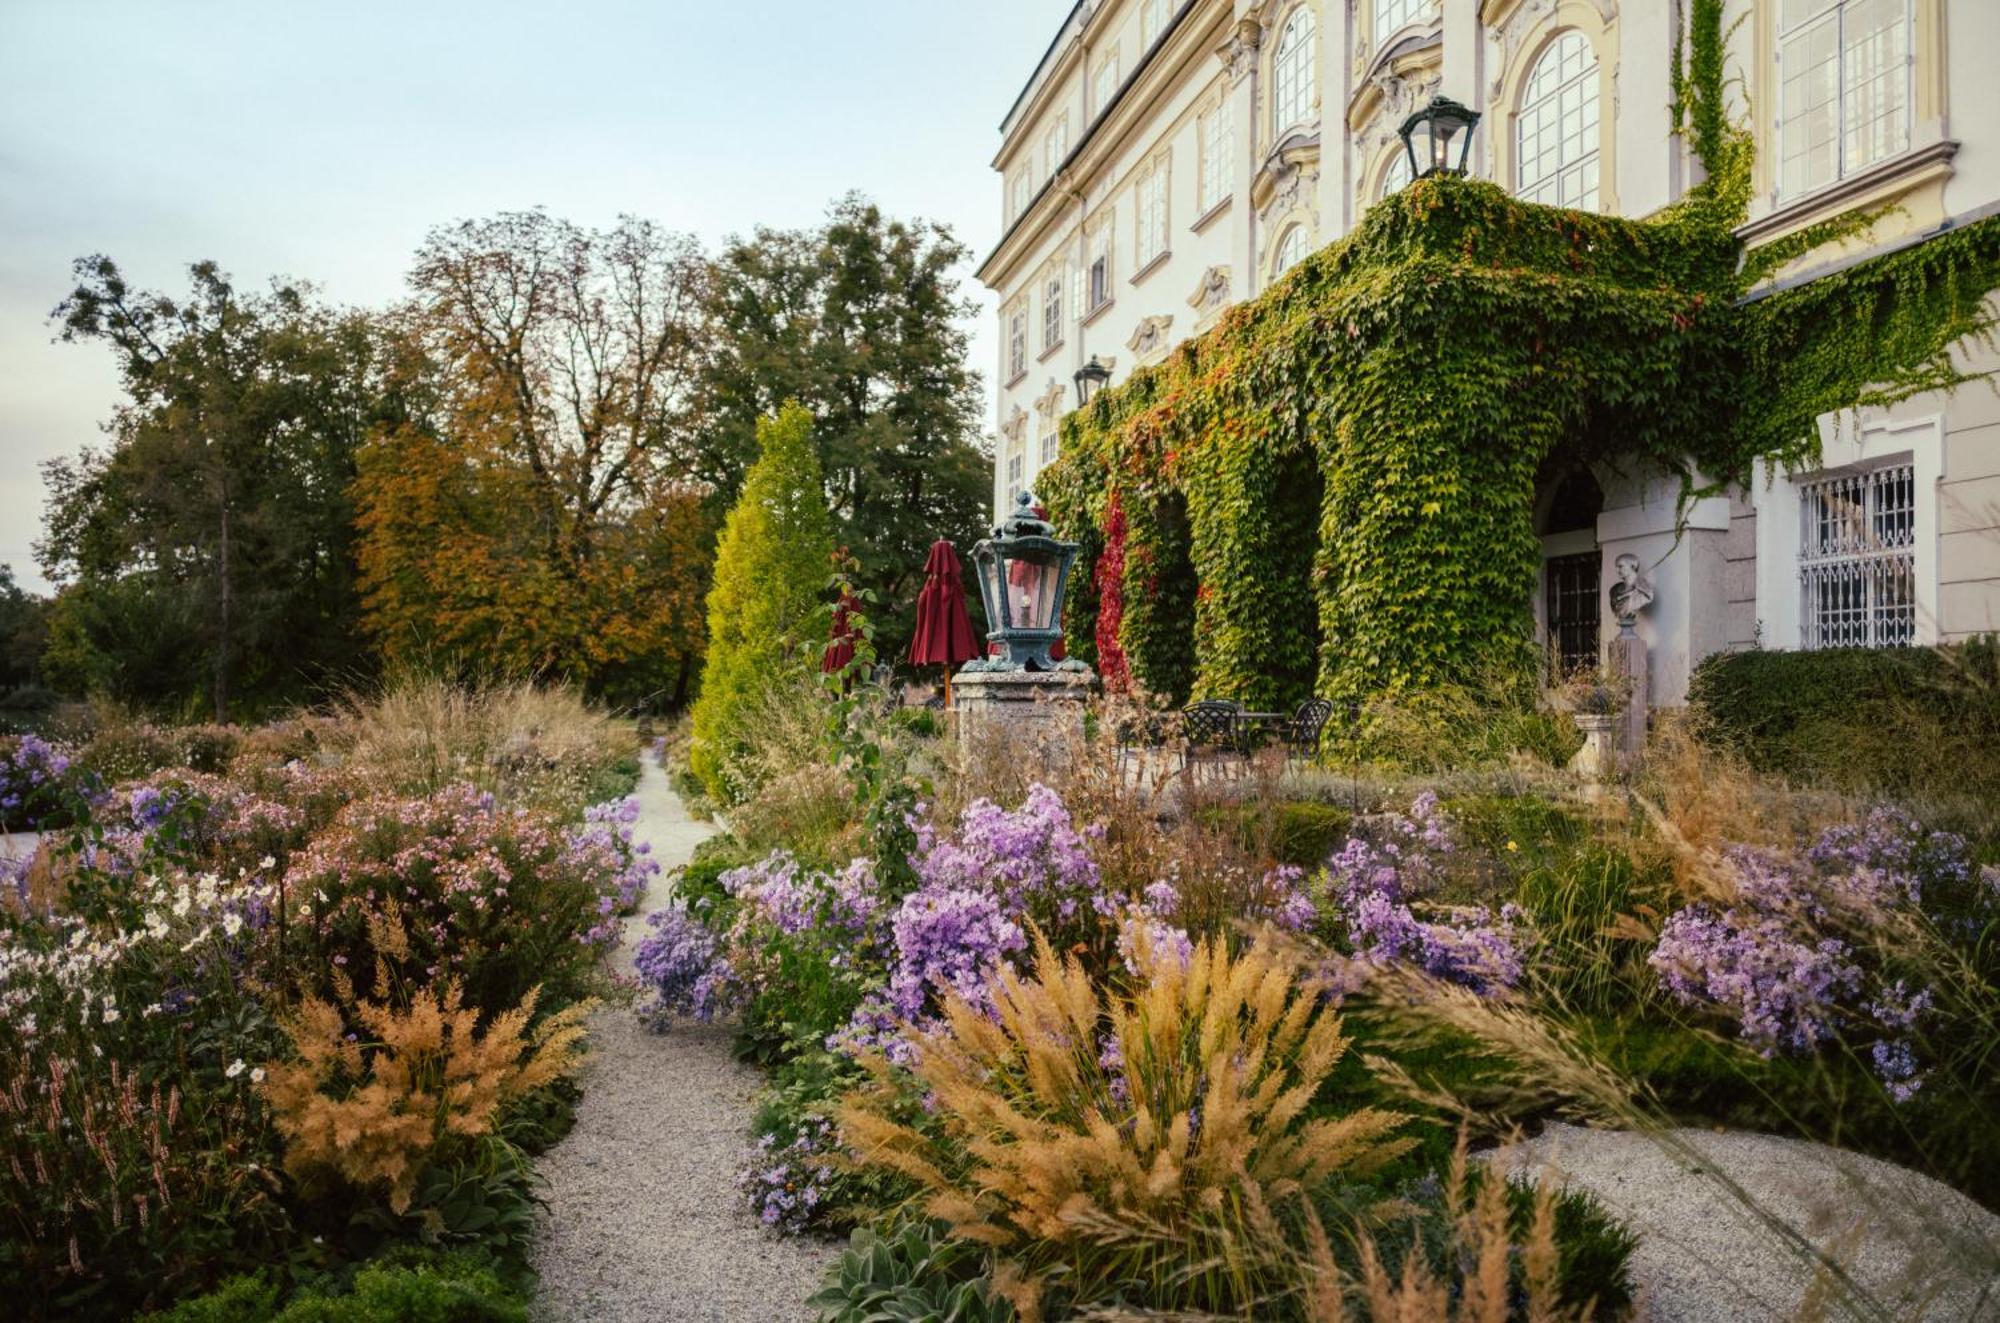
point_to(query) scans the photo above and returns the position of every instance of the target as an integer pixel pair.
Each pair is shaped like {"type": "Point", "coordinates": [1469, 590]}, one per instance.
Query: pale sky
{"type": "Point", "coordinates": [320, 141]}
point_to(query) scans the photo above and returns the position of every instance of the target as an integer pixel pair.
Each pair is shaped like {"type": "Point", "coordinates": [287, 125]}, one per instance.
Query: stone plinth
{"type": "Point", "coordinates": [1629, 658]}
{"type": "Point", "coordinates": [1024, 709]}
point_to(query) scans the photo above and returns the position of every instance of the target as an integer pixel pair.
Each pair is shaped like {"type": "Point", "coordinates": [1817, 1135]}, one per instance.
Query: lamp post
{"type": "Point", "coordinates": [1023, 572]}
{"type": "Point", "coordinates": [1440, 122]}
{"type": "Point", "coordinates": [1089, 378]}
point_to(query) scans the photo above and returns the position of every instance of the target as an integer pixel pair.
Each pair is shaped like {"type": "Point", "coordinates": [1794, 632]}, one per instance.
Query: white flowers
{"type": "Point", "coordinates": [257, 1075]}
{"type": "Point", "coordinates": [110, 1013]}
{"type": "Point", "coordinates": [236, 1068]}
{"type": "Point", "coordinates": [232, 923]}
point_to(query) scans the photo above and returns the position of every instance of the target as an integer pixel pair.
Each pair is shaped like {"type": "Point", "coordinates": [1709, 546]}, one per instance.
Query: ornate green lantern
{"type": "Point", "coordinates": [1023, 573]}
{"type": "Point", "coordinates": [1440, 123]}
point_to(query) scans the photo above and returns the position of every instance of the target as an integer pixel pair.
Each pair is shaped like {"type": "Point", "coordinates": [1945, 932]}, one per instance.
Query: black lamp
{"type": "Point", "coordinates": [1440, 122]}
{"type": "Point", "coordinates": [1089, 378]}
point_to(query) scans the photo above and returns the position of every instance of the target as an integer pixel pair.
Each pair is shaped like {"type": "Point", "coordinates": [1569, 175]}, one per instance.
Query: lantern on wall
{"type": "Point", "coordinates": [1090, 378]}
{"type": "Point", "coordinates": [1023, 572]}
{"type": "Point", "coordinates": [1429, 134]}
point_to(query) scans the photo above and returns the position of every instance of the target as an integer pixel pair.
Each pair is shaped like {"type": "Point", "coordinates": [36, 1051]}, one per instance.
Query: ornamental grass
{"type": "Point", "coordinates": [374, 1113]}
{"type": "Point", "coordinates": [1102, 1141]}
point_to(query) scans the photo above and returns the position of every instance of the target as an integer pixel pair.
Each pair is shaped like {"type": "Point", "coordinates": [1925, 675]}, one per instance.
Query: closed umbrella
{"type": "Point", "coordinates": [840, 650]}
{"type": "Point", "coordinates": [944, 629]}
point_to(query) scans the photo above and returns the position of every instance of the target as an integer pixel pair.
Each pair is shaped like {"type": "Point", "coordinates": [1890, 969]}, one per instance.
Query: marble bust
{"type": "Point", "coordinates": [1631, 592]}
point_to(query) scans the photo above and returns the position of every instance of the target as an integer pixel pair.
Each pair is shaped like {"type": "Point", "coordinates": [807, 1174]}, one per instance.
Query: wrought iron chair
{"type": "Point", "coordinates": [1307, 728]}
{"type": "Point", "coordinates": [1211, 730]}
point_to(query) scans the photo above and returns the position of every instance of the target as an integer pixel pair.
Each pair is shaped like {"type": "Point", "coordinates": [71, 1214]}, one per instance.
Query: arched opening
{"type": "Point", "coordinates": [1570, 616]}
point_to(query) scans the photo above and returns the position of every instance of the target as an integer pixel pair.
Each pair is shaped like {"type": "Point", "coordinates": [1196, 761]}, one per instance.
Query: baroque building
{"type": "Point", "coordinates": [1167, 158]}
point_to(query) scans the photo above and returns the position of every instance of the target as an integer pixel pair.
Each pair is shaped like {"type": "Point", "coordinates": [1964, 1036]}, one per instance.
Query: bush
{"type": "Point", "coordinates": [913, 1275]}
{"type": "Point", "coordinates": [772, 562]}
{"type": "Point", "coordinates": [1297, 832]}
{"type": "Point", "coordinates": [1919, 724]}
{"type": "Point", "coordinates": [434, 1289]}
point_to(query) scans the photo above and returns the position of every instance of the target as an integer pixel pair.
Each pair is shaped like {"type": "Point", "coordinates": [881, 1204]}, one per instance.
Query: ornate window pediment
{"type": "Point", "coordinates": [1211, 291]}
{"type": "Point", "coordinates": [1016, 425]}
{"type": "Point", "coordinates": [1151, 336]}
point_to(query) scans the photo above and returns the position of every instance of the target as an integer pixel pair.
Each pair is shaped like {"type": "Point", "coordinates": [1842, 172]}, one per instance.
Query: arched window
{"type": "Point", "coordinates": [1291, 250]}
{"type": "Point", "coordinates": [1393, 14]}
{"type": "Point", "coordinates": [1556, 132]}
{"type": "Point", "coordinates": [1292, 72]}
{"type": "Point", "coordinates": [1397, 177]}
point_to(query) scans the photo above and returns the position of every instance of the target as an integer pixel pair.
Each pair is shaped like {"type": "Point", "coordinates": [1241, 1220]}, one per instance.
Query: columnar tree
{"type": "Point", "coordinates": [540, 513]}
{"type": "Point", "coordinates": [773, 561]}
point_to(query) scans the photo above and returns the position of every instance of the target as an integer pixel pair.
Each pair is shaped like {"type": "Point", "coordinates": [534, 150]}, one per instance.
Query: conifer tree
{"type": "Point", "coordinates": [769, 568]}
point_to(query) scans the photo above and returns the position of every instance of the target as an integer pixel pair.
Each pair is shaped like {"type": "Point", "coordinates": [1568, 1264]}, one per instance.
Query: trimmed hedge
{"type": "Point", "coordinates": [1919, 723]}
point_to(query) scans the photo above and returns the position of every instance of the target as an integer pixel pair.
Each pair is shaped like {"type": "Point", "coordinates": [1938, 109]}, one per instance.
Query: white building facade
{"type": "Point", "coordinates": [1168, 158]}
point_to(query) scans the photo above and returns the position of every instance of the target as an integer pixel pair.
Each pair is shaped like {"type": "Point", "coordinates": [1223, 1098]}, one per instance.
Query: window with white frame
{"type": "Point", "coordinates": [1019, 194]}
{"type": "Point", "coordinates": [1391, 15]}
{"type": "Point", "coordinates": [1398, 176]}
{"type": "Point", "coordinates": [1152, 21]}
{"type": "Point", "coordinates": [1149, 197]}
{"type": "Point", "coordinates": [1098, 291]}
{"type": "Point", "coordinates": [1104, 83]}
{"type": "Point", "coordinates": [1844, 73]}
{"type": "Point", "coordinates": [1051, 439]}
{"type": "Point", "coordinates": [1055, 146]}
{"type": "Point", "coordinates": [1858, 559]}
{"type": "Point", "coordinates": [1016, 472]}
{"type": "Point", "coordinates": [1556, 133]}
{"type": "Point", "coordinates": [1017, 341]}
{"type": "Point", "coordinates": [1218, 153]}
{"type": "Point", "coordinates": [1292, 249]}
{"type": "Point", "coordinates": [1292, 72]}
{"type": "Point", "coordinates": [1052, 309]}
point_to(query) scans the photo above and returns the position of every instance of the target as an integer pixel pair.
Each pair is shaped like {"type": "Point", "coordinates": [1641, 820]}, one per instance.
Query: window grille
{"type": "Point", "coordinates": [1858, 560]}
{"type": "Point", "coordinates": [1150, 203]}
{"type": "Point", "coordinates": [1574, 604]}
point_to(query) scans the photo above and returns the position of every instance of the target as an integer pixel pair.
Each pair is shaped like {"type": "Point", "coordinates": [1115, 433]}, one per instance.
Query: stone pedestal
{"type": "Point", "coordinates": [1597, 761]}
{"type": "Point", "coordinates": [1627, 657]}
{"type": "Point", "coordinates": [1028, 710]}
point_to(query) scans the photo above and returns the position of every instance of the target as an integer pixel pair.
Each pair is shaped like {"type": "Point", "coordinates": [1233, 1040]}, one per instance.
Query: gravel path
{"type": "Point", "coordinates": [644, 1223]}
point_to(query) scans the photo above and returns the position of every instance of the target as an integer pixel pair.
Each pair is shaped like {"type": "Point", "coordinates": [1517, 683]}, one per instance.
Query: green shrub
{"type": "Point", "coordinates": [1300, 832]}
{"type": "Point", "coordinates": [404, 1289]}
{"type": "Point", "coordinates": [1918, 724]}
{"type": "Point", "coordinates": [916, 1274]}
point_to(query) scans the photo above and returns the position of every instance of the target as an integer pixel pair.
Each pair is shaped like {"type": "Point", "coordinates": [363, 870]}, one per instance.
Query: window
{"type": "Point", "coordinates": [1055, 147]}
{"type": "Point", "coordinates": [1052, 310]}
{"type": "Point", "coordinates": [1020, 193]}
{"type": "Point", "coordinates": [1292, 72]}
{"type": "Point", "coordinates": [1556, 131]}
{"type": "Point", "coordinates": [1393, 14]}
{"type": "Point", "coordinates": [1218, 159]}
{"type": "Point", "coordinates": [1104, 83]}
{"type": "Point", "coordinates": [1398, 176]}
{"type": "Point", "coordinates": [1099, 292]}
{"type": "Point", "coordinates": [1017, 343]}
{"type": "Point", "coordinates": [1150, 201]}
{"type": "Point", "coordinates": [1291, 250]}
{"type": "Point", "coordinates": [1051, 440]}
{"type": "Point", "coordinates": [1016, 477]}
{"type": "Point", "coordinates": [1152, 21]}
{"type": "Point", "coordinates": [1570, 593]}
{"type": "Point", "coordinates": [1858, 560]}
{"type": "Point", "coordinates": [1843, 88]}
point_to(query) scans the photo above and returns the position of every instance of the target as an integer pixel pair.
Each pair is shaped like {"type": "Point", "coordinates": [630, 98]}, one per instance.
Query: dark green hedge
{"type": "Point", "coordinates": [1915, 723]}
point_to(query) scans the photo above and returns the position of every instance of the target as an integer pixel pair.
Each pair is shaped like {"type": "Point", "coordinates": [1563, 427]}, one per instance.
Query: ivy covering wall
{"type": "Point", "coordinates": [1332, 490]}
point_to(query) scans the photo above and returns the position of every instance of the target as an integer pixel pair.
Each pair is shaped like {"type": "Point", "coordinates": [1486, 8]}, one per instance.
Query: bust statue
{"type": "Point", "coordinates": [1631, 592]}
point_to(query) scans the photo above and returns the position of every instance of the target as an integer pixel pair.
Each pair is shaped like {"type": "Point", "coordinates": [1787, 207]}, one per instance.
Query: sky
{"type": "Point", "coordinates": [319, 141]}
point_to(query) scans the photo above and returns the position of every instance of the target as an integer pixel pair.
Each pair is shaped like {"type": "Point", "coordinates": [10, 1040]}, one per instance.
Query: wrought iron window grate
{"type": "Point", "coordinates": [1858, 560]}
{"type": "Point", "coordinates": [1573, 602]}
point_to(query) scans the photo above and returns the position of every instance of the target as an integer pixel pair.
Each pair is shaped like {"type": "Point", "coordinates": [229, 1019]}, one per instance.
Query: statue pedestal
{"type": "Point", "coordinates": [1597, 761]}
{"type": "Point", "coordinates": [1628, 659]}
{"type": "Point", "coordinates": [1025, 709]}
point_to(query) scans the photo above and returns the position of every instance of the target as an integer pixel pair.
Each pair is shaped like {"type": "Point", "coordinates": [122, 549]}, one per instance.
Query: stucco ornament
{"type": "Point", "coordinates": [1631, 592]}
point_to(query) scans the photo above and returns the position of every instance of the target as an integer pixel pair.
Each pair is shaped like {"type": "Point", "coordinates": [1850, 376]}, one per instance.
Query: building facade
{"type": "Point", "coordinates": [1168, 158]}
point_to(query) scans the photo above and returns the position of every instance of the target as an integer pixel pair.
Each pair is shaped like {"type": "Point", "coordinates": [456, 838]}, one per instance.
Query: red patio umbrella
{"type": "Point", "coordinates": [840, 651]}
{"type": "Point", "coordinates": [944, 629]}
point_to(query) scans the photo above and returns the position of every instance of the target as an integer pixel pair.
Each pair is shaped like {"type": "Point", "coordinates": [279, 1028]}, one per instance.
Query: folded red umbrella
{"type": "Point", "coordinates": [944, 628]}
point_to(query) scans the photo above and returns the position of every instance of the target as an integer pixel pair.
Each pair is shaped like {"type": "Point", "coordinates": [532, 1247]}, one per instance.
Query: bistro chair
{"type": "Point", "coordinates": [1211, 730]}
{"type": "Point", "coordinates": [1307, 728]}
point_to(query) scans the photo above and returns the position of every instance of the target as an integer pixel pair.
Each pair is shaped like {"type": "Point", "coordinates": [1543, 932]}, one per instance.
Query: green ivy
{"type": "Point", "coordinates": [1332, 490]}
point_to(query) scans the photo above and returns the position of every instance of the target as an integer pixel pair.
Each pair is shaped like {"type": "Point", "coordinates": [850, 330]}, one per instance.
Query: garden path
{"type": "Point", "coordinates": [644, 1223]}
